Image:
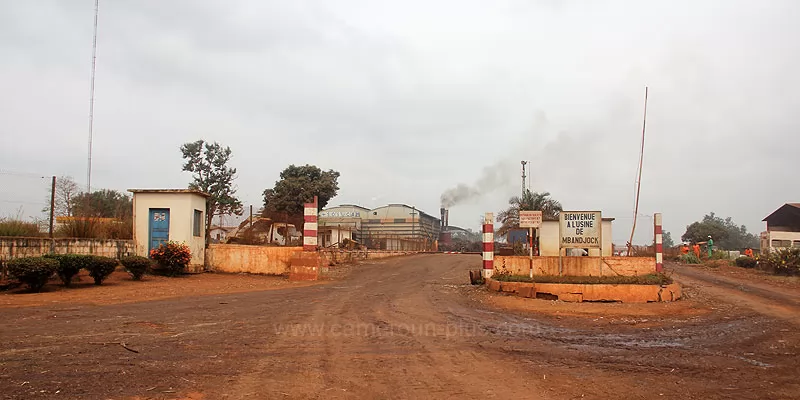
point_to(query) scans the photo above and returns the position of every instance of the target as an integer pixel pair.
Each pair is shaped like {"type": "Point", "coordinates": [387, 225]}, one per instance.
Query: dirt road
{"type": "Point", "coordinates": [403, 328]}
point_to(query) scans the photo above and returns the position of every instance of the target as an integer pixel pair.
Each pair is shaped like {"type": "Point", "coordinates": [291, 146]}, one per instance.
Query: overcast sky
{"type": "Point", "coordinates": [409, 98]}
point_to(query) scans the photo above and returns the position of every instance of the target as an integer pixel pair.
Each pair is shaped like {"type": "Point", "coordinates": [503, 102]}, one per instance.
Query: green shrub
{"type": "Point", "coordinates": [781, 261]}
{"type": "Point", "coordinates": [719, 255]}
{"type": "Point", "coordinates": [32, 271]}
{"type": "Point", "coordinates": [69, 265]}
{"type": "Point", "coordinates": [172, 258]}
{"type": "Point", "coordinates": [100, 268]}
{"type": "Point", "coordinates": [689, 258]}
{"type": "Point", "coordinates": [136, 266]}
{"type": "Point", "coordinates": [746, 262]}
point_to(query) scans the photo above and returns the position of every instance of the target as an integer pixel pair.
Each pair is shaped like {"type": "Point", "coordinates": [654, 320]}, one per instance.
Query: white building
{"type": "Point", "coordinates": [177, 215]}
{"type": "Point", "coordinates": [783, 228]}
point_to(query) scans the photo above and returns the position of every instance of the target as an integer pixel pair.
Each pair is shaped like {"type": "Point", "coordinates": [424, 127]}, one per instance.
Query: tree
{"type": "Point", "coordinates": [103, 203]}
{"type": "Point", "coordinates": [66, 191]}
{"type": "Point", "coordinates": [726, 234]}
{"type": "Point", "coordinates": [298, 185]}
{"type": "Point", "coordinates": [530, 201]}
{"type": "Point", "coordinates": [208, 164]}
{"type": "Point", "coordinates": [666, 240]}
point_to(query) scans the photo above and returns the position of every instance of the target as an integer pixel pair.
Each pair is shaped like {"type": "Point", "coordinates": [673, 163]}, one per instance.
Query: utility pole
{"type": "Point", "coordinates": [52, 204]}
{"type": "Point", "coordinates": [413, 238]}
{"type": "Point", "coordinates": [523, 177]}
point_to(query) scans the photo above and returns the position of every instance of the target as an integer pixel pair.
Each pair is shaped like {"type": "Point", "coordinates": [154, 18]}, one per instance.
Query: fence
{"type": "Point", "coordinates": [18, 247]}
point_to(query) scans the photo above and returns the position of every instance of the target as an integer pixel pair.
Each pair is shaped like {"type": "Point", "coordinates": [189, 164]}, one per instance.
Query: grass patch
{"type": "Point", "coordinates": [650, 279]}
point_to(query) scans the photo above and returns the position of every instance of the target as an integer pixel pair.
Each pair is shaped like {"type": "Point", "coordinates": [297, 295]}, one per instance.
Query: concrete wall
{"type": "Point", "coordinates": [594, 292]}
{"type": "Point", "coordinates": [268, 260]}
{"type": "Point", "coordinates": [18, 247]}
{"type": "Point", "coordinates": [236, 258]}
{"type": "Point", "coordinates": [181, 220]}
{"type": "Point", "coordinates": [576, 266]}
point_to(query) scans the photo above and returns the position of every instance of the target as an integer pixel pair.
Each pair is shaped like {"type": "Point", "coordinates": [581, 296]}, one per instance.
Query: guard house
{"type": "Point", "coordinates": [783, 228]}
{"type": "Point", "coordinates": [178, 215]}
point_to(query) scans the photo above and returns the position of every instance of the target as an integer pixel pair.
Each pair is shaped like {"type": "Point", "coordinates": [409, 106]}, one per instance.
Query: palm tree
{"type": "Point", "coordinates": [530, 201]}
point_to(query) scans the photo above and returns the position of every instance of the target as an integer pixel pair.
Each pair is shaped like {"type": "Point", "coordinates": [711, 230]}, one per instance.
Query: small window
{"type": "Point", "coordinates": [796, 243]}
{"type": "Point", "coordinates": [781, 243]}
{"type": "Point", "coordinates": [399, 220]}
{"type": "Point", "coordinates": [198, 223]}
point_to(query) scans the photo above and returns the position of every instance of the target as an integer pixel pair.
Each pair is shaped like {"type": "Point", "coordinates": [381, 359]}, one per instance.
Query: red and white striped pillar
{"type": "Point", "coordinates": [659, 242]}
{"type": "Point", "coordinates": [310, 226]}
{"type": "Point", "coordinates": [488, 245]}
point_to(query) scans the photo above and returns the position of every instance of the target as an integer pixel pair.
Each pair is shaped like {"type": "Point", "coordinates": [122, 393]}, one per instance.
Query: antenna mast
{"type": "Point", "coordinates": [639, 179]}
{"type": "Point", "coordinates": [523, 177]}
{"type": "Point", "coordinates": [91, 98]}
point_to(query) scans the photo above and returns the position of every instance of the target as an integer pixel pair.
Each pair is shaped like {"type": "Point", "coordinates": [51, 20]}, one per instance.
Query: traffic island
{"type": "Point", "coordinates": [629, 289]}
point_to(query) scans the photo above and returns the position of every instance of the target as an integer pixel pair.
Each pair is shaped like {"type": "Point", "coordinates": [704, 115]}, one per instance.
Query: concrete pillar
{"type": "Point", "coordinates": [488, 245]}
{"type": "Point", "coordinates": [659, 242]}
{"type": "Point", "coordinates": [310, 226]}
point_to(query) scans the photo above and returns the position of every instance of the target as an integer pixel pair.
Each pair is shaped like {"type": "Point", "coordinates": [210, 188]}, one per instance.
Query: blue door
{"type": "Point", "coordinates": [159, 227]}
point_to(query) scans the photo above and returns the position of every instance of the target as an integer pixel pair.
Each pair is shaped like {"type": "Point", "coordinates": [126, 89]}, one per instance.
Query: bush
{"type": "Point", "coordinates": [781, 262]}
{"type": "Point", "coordinates": [136, 266]}
{"type": "Point", "coordinates": [172, 258]}
{"type": "Point", "coordinates": [100, 268]}
{"type": "Point", "coordinates": [746, 262]}
{"type": "Point", "coordinates": [32, 271]}
{"type": "Point", "coordinates": [17, 227]}
{"type": "Point", "coordinates": [719, 255]}
{"type": "Point", "coordinates": [717, 263]}
{"type": "Point", "coordinates": [69, 265]}
{"type": "Point", "coordinates": [689, 258]}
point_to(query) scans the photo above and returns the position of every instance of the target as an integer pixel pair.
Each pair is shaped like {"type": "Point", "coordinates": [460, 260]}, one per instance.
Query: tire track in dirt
{"type": "Point", "coordinates": [761, 298]}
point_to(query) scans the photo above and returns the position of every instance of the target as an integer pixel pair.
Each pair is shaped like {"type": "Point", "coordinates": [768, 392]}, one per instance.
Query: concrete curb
{"type": "Point", "coordinates": [572, 292]}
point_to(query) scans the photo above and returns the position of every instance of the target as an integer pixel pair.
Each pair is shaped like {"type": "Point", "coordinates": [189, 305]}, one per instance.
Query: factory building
{"type": "Point", "coordinates": [390, 227]}
{"type": "Point", "coordinates": [336, 224]}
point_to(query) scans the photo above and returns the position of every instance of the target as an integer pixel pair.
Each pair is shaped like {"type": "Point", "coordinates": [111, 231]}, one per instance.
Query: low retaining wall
{"type": "Point", "coordinates": [584, 292]}
{"type": "Point", "coordinates": [236, 258]}
{"type": "Point", "coordinates": [271, 260]}
{"type": "Point", "coordinates": [18, 247]}
{"type": "Point", "coordinates": [577, 266]}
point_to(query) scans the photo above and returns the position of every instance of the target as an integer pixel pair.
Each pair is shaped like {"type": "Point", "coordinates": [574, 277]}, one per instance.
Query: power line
{"type": "Point", "coordinates": [24, 174]}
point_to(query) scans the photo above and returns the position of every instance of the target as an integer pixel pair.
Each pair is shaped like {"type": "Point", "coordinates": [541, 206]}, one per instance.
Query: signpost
{"type": "Point", "coordinates": [579, 230]}
{"type": "Point", "coordinates": [530, 220]}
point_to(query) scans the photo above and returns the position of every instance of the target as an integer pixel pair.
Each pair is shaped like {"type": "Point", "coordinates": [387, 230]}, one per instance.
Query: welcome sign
{"type": "Point", "coordinates": [580, 229]}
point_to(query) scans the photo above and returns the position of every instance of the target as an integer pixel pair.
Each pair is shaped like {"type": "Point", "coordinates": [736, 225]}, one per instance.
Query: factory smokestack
{"type": "Point", "coordinates": [443, 212]}
{"type": "Point", "coordinates": [446, 218]}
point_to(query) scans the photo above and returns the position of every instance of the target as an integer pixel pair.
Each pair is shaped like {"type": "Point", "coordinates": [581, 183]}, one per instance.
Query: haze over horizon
{"type": "Point", "coordinates": [407, 100]}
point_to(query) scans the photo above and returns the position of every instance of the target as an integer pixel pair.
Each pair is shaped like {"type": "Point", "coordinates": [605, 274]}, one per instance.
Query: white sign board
{"type": "Point", "coordinates": [530, 219]}
{"type": "Point", "coordinates": [340, 214]}
{"type": "Point", "coordinates": [580, 229]}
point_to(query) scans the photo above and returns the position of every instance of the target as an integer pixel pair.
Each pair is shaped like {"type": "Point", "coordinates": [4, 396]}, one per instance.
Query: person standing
{"type": "Point", "coordinates": [748, 252]}
{"type": "Point", "coordinates": [696, 250]}
{"type": "Point", "coordinates": [710, 246]}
